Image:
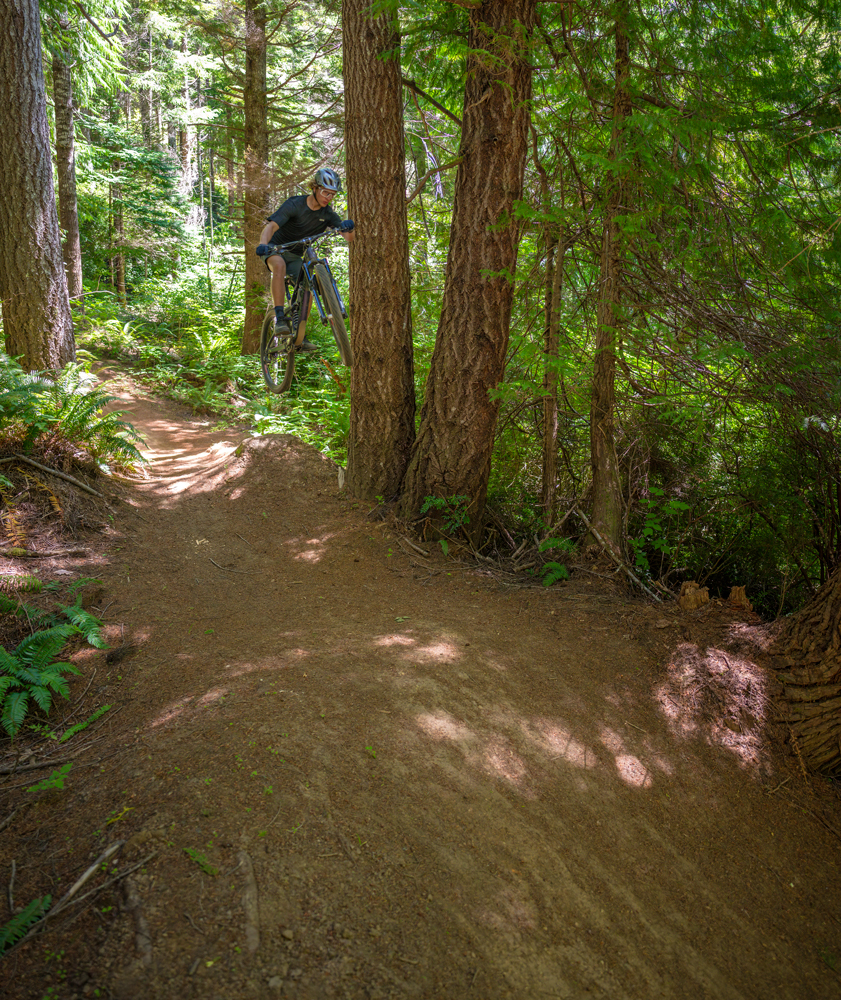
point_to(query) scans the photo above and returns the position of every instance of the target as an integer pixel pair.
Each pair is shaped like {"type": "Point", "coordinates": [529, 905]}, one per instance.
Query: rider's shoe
{"type": "Point", "coordinates": [305, 347]}
{"type": "Point", "coordinates": [281, 326]}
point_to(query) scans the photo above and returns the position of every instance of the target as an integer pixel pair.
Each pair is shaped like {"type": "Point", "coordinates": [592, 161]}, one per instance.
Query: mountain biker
{"type": "Point", "coordinates": [297, 218]}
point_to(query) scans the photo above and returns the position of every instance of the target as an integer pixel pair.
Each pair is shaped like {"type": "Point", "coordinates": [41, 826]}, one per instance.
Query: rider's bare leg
{"type": "Point", "coordinates": [277, 265]}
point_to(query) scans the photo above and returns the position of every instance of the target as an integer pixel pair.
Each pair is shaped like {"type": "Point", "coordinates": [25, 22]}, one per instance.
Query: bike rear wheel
{"type": "Point", "coordinates": [277, 356]}
{"type": "Point", "coordinates": [330, 301]}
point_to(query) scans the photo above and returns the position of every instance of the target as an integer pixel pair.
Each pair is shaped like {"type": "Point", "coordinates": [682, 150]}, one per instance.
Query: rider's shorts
{"type": "Point", "coordinates": [294, 263]}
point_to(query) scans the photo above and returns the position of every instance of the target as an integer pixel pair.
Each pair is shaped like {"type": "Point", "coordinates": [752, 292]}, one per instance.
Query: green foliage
{"type": "Point", "coordinates": [67, 408]}
{"type": "Point", "coordinates": [84, 725]}
{"type": "Point", "coordinates": [31, 674]}
{"type": "Point", "coordinates": [552, 572]}
{"type": "Point", "coordinates": [21, 922]}
{"type": "Point", "coordinates": [201, 860]}
{"type": "Point", "coordinates": [452, 511]}
{"type": "Point", "coordinates": [659, 532]}
{"type": "Point", "coordinates": [54, 781]}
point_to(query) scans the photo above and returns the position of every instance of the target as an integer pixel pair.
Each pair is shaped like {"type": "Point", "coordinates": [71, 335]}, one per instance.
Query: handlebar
{"type": "Point", "coordinates": [308, 241]}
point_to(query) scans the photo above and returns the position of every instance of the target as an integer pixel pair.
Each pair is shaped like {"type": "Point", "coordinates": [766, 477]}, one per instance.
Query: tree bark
{"type": "Point", "coordinates": [33, 285]}
{"type": "Point", "coordinates": [607, 489]}
{"type": "Point", "coordinates": [65, 154]}
{"type": "Point", "coordinates": [256, 171]}
{"type": "Point", "coordinates": [452, 453]}
{"type": "Point", "coordinates": [382, 415]}
{"type": "Point", "coordinates": [807, 658]}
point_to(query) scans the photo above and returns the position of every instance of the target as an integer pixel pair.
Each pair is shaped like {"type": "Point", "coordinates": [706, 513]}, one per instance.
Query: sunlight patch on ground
{"type": "Point", "coordinates": [171, 712]}
{"type": "Point", "coordinates": [442, 726]}
{"type": "Point", "coordinates": [632, 771]}
{"type": "Point", "coordinates": [559, 742]}
{"type": "Point", "coordinates": [718, 695]}
{"type": "Point", "coordinates": [395, 640]}
{"type": "Point", "coordinates": [312, 556]}
{"type": "Point", "coordinates": [499, 760]}
{"type": "Point", "coordinates": [436, 651]}
{"type": "Point", "coordinates": [212, 696]}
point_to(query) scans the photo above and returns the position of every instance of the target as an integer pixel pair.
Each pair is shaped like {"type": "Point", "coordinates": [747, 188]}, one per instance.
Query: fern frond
{"type": "Point", "coordinates": [20, 583]}
{"type": "Point", "coordinates": [42, 696]}
{"type": "Point", "coordinates": [14, 711]}
{"type": "Point", "coordinates": [87, 624]}
{"type": "Point", "coordinates": [20, 923]}
{"type": "Point", "coordinates": [9, 664]}
{"type": "Point", "coordinates": [14, 529]}
{"type": "Point", "coordinates": [37, 650]}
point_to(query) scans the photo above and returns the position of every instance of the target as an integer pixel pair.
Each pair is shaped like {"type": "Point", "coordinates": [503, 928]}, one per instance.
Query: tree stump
{"type": "Point", "coordinates": [692, 596]}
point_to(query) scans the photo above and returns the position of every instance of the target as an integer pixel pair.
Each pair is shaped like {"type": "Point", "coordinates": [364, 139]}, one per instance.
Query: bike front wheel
{"type": "Point", "coordinates": [333, 310]}
{"type": "Point", "coordinates": [277, 356]}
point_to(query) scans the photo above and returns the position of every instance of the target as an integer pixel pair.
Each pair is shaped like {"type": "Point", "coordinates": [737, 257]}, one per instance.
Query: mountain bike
{"type": "Point", "coordinates": [315, 283]}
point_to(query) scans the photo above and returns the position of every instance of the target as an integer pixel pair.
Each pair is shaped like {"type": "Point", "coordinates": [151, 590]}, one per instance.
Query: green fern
{"type": "Point", "coordinates": [84, 725]}
{"type": "Point", "coordinates": [30, 672]}
{"type": "Point", "coordinates": [16, 583]}
{"type": "Point", "coordinates": [86, 623]}
{"type": "Point", "coordinates": [15, 929]}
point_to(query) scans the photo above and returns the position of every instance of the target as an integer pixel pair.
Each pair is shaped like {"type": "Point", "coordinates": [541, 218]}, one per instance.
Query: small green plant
{"type": "Point", "coordinates": [371, 752]}
{"type": "Point", "coordinates": [201, 860]}
{"type": "Point", "coordinates": [55, 780]}
{"type": "Point", "coordinates": [552, 572]}
{"type": "Point", "coordinates": [15, 929]}
{"type": "Point", "coordinates": [452, 511]}
{"type": "Point", "coordinates": [84, 725]}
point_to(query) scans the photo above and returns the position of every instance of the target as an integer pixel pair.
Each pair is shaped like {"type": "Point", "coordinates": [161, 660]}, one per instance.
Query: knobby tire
{"type": "Point", "coordinates": [331, 305]}
{"type": "Point", "coordinates": [278, 365]}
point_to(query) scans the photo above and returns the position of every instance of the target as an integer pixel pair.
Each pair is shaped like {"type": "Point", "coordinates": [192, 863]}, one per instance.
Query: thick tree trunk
{"type": "Point", "coordinates": [807, 658]}
{"type": "Point", "coordinates": [256, 180]}
{"type": "Point", "coordinates": [382, 415]}
{"type": "Point", "coordinates": [33, 285]}
{"type": "Point", "coordinates": [607, 489]}
{"type": "Point", "coordinates": [452, 453]}
{"type": "Point", "coordinates": [65, 154]}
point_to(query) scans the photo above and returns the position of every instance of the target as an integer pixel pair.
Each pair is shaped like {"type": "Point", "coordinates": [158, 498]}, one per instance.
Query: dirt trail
{"type": "Point", "coordinates": [371, 774]}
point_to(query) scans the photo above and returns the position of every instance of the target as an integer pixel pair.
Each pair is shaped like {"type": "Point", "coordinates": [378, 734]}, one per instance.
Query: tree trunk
{"type": "Point", "coordinates": [452, 453]}
{"type": "Point", "coordinates": [256, 171]}
{"type": "Point", "coordinates": [607, 489]}
{"type": "Point", "coordinates": [185, 134]}
{"type": "Point", "coordinates": [382, 415]}
{"type": "Point", "coordinates": [65, 154]}
{"type": "Point", "coordinates": [33, 285]}
{"type": "Point", "coordinates": [807, 658]}
{"type": "Point", "coordinates": [551, 348]}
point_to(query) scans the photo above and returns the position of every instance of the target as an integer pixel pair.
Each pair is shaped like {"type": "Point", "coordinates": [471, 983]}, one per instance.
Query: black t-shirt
{"type": "Point", "coordinates": [297, 220]}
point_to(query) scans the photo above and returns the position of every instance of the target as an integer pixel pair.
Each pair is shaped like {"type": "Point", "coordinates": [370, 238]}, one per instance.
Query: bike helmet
{"type": "Point", "coordinates": [328, 179]}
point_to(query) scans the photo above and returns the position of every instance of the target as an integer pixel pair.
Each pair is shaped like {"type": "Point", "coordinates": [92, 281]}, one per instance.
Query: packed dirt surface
{"type": "Point", "coordinates": [344, 768]}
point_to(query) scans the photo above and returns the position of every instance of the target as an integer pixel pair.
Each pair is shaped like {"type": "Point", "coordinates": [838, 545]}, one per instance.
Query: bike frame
{"type": "Point", "coordinates": [306, 279]}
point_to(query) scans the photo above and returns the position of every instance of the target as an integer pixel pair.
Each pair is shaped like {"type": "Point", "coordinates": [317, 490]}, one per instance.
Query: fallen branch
{"type": "Point", "coordinates": [18, 553]}
{"type": "Point", "coordinates": [616, 558]}
{"type": "Point", "coordinates": [13, 769]}
{"type": "Point", "coordinates": [226, 570]}
{"type": "Point", "coordinates": [54, 472]}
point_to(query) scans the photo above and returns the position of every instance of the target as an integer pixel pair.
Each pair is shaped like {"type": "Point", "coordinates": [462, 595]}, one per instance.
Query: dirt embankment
{"type": "Point", "coordinates": [353, 771]}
